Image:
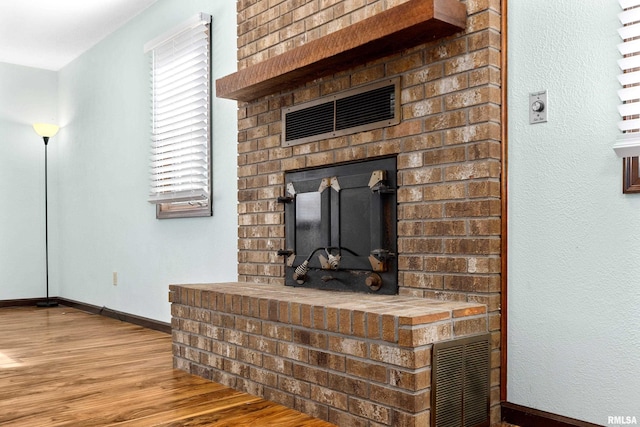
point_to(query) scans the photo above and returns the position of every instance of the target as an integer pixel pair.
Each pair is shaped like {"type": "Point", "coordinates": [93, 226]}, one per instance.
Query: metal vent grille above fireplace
{"type": "Point", "coordinates": [364, 108]}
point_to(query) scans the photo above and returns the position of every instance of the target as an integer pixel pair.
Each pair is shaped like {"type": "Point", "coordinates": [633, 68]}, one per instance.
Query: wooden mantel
{"type": "Point", "coordinates": [401, 27]}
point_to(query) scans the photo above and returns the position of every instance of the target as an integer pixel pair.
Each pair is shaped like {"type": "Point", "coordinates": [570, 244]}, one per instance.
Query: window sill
{"type": "Point", "coordinates": [627, 145]}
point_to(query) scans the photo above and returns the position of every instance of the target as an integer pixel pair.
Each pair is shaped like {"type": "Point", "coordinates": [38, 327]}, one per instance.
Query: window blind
{"type": "Point", "coordinates": [180, 136]}
{"type": "Point", "coordinates": [628, 144]}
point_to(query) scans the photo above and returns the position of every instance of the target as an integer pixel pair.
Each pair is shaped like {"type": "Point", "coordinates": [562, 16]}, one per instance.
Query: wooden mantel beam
{"type": "Point", "coordinates": [399, 28]}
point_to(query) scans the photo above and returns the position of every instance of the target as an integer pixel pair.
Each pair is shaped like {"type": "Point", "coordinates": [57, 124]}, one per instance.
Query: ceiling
{"type": "Point", "coordinates": [49, 34]}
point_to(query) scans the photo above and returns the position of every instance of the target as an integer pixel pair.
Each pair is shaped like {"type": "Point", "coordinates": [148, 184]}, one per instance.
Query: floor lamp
{"type": "Point", "coordinates": [46, 131]}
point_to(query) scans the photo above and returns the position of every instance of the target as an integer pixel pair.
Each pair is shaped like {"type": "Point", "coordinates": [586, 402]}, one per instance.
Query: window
{"type": "Point", "coordinates": [628, 144]}
{"type": "Point", "coordinates": [181, 120]}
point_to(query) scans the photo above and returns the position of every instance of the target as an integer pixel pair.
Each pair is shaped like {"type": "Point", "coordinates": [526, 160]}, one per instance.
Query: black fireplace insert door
{"type": "Point", "coordinates": [340, 225]}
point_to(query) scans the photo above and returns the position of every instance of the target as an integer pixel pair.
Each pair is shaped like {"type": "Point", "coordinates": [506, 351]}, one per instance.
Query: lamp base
{"type": "Point", "coordinates": [47, 303]}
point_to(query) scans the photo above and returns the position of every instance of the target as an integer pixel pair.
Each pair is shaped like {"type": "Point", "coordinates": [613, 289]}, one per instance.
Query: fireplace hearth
{"type": "Point", "coordinates": [340, 224]}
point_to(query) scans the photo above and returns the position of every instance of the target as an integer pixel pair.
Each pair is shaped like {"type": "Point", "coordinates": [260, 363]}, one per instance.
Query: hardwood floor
{"type": "Point", "coordinates": [64, 367]}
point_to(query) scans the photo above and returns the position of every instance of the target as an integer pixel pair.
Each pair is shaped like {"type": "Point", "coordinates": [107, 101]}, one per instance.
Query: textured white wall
{"type": "Point", "coordinates": [574, 238]}
{"type": "Point", "coordinates": [27, 95]}
{"type": "Point", "coordinates": [105, 224]}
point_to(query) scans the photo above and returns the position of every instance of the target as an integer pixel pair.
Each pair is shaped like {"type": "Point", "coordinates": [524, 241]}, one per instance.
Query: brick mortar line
{"type": "Point", "coordinates": [280, 376]}
{"type": "Point", "coordinates": [366, 340]}
{"type": "Point", "coordinates": [367, 399]}
{"type": "Point", "coordinates": [386, 365]}
{"type": "Point", "coordinates": [343, 374]}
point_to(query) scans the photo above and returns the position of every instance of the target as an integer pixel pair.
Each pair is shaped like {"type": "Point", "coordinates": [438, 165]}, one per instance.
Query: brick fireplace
{"type": "Point", "coordinates": [342, 358]}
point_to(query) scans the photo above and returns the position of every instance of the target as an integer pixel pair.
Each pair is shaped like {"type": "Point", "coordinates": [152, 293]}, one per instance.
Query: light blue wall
{"type": "Point", "coordinates": [100, 221]}
{"type": "Point", "coordinates": [27, 95]}
{"type": "Point", "coordinates": [574, 238]}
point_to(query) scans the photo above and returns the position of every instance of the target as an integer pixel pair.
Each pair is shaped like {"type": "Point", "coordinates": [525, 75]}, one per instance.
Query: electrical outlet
{"type": "Point", "coordinates": [115, 278]}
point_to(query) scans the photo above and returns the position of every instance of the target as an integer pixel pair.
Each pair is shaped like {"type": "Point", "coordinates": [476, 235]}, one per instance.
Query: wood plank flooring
{"type": "Point", "coordinates": [64, 367]}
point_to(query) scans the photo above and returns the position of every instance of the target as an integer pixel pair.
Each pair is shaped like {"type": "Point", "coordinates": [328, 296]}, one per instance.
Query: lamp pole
{"type": "Point", "coordinates": [46, 131]}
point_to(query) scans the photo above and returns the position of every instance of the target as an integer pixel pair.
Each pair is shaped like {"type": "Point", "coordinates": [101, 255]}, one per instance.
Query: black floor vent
{"type": "Point", "coordinates": [364, 108]}
{"type": "Point", "coordinates": [460, 383]}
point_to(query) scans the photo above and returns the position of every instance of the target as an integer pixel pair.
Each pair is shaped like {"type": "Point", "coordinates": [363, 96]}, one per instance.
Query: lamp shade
{"type": "Point", "coordinates": [45, 129]}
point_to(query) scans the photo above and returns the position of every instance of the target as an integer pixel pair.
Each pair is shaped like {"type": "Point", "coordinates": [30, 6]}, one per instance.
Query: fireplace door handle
{"type": "Point", "coordinates": [301, 271]}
